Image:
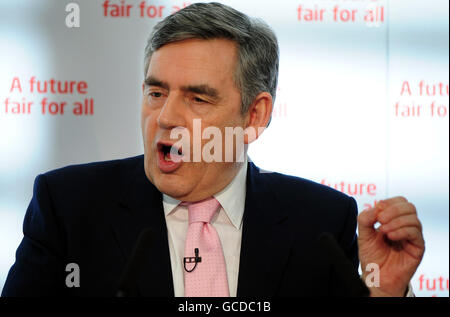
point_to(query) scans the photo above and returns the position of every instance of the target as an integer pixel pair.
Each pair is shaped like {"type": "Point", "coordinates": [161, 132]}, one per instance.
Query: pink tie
{"type": "Point", "coordinates": [208, 277]}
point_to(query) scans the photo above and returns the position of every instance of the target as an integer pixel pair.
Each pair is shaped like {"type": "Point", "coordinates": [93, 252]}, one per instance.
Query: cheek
{"type": "Point", "coordinates": [148, 124]}
{"type": "Point", "coordinates": [234, 119]}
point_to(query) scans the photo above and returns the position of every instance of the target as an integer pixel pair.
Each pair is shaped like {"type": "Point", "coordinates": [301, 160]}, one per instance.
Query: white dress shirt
{"type": "Point", "coordinates": [227, 222]}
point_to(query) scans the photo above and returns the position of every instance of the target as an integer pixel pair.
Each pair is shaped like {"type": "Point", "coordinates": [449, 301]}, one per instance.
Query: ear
{"type": "Point", "coordinates": [258, 116]}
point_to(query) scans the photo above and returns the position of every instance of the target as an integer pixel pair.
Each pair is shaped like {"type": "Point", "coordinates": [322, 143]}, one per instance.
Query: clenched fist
{"type": "Point", "coordinates": [396, 246]}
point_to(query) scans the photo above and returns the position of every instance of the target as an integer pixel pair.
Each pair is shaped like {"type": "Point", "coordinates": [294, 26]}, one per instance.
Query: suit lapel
{"type": "Point", "coordinates": [140, 207]}
{"type": "Point", "coordinates": [265, 247]}
{"type": "Point", "coordinates": [266, 240]}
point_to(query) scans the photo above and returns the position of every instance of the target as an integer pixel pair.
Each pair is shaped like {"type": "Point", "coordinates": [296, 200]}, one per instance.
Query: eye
{"type": "Point", "coordinates": [155, 94]}
{"type": "Point", "coordinates": [199, 100]}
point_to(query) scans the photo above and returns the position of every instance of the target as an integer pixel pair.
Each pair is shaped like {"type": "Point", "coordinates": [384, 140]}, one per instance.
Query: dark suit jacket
{"type": "Point", "coordinates": [92, 215]}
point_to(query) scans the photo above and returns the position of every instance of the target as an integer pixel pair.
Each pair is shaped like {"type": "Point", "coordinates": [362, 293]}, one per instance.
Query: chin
{"type": "Point", "coordinates": [170, 184]}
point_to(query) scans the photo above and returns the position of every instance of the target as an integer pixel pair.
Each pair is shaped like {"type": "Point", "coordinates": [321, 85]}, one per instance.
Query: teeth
{"type": "Point", "coordinates": [167, 159]}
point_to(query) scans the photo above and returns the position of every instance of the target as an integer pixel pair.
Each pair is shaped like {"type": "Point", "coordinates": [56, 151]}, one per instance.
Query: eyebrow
{"type": "Point", "coordinates": [152, 81]}
{"type": "Point", "coordinates": [202, 90]}
{"type": "Point", "coordinates": [197, 89]}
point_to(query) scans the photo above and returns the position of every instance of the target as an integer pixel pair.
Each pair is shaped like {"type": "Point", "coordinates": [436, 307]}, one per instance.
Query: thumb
{"type": "Point", "coordinates": [366, 222]}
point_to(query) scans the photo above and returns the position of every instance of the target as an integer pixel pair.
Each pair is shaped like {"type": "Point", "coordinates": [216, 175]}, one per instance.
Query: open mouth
{"type": "Point", "coordinates": [169, 152]}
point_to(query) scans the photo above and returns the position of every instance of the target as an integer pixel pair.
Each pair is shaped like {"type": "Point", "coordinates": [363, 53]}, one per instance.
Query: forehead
{"type": "Point", "coordinates": [194, 61]}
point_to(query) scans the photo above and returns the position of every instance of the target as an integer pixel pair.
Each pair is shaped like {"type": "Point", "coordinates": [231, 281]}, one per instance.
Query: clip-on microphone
{"type": "Point", "coordinates": [193, 259]}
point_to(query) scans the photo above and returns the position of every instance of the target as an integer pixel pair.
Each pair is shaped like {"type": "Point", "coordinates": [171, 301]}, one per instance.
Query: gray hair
{"type": "Point", "coordinates": [258, 54]}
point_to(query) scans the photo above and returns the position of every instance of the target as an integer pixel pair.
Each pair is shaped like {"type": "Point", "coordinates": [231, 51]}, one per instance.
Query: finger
{"type": "Point", "coordinates": [412, 234]}
{"type": "Point", "coordinates": [366, 220]}
{"type": "Point", "coordinates": [410, 220]}
{"type": "Point", "coordinates": [394, 211]}
{"type": "Point", "coordinates": [393, 201]}
{"type": "Point", "coordinates": [410, 239]}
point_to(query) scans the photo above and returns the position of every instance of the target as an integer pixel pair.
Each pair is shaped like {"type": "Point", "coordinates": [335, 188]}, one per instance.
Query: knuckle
{"type": "Point", "coordinates": [419, 225]}
{"type": "Point", "coordinates": [394, 210]}
{"type": "Point", "coordinates": [382, 217]}
{"type": "Point", "coordinates": [412, 208]}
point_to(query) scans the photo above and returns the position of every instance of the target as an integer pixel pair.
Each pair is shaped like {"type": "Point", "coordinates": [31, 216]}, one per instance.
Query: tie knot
{"type": "Point", "coordinates": [202, 211]}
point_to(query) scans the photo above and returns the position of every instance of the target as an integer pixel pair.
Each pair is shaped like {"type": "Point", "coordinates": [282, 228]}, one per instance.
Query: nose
{"type": "Point", "coordinates": [171, 114]}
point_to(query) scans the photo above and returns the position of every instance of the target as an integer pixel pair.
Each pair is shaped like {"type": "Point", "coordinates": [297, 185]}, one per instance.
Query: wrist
{"type": "Point", "coordinates": [376, 292]}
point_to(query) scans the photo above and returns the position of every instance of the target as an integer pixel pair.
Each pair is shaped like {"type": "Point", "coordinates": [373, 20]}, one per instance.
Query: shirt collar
{"type": "Point", "coordinates": [231, 198]}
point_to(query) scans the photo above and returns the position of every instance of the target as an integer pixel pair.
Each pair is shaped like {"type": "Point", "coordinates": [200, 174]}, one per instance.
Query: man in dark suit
{"type": "Point", "coordinates": [208, 68]}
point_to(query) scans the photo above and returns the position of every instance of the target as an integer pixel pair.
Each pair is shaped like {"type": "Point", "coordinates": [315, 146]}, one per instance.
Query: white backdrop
{"type": "Point", "coordinates": [362, 101]}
